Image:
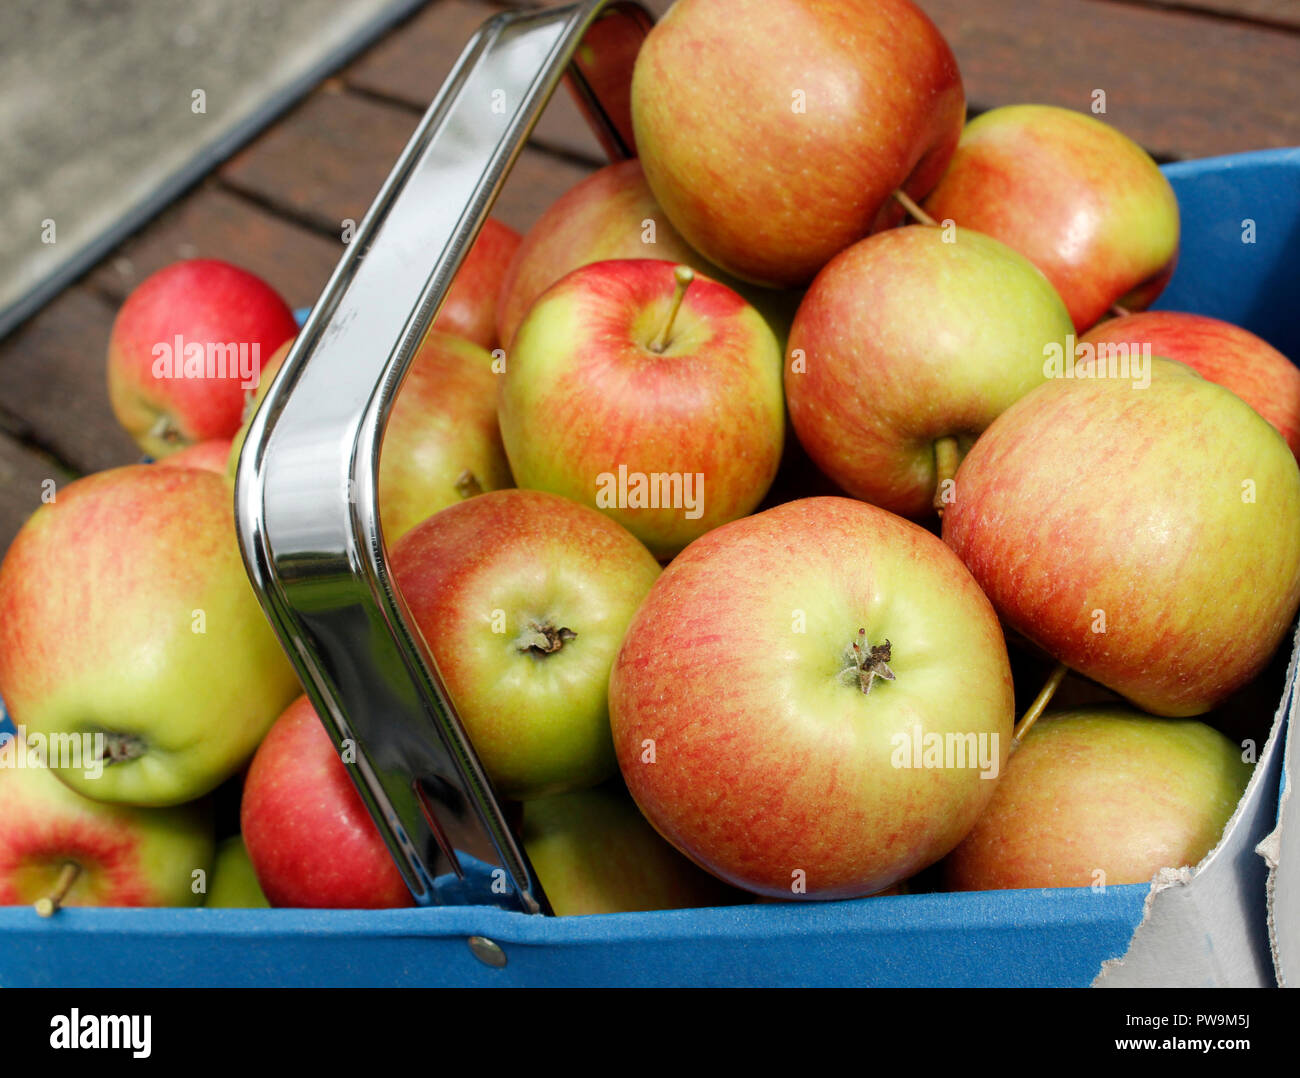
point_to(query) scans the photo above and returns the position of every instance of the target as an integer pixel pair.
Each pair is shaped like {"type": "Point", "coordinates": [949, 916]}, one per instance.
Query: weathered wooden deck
{"type": "Point", "coordinates": [1186, 78]}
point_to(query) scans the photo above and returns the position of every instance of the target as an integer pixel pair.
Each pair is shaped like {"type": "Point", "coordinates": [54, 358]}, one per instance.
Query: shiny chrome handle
{"type": "Point", "coordinates": [305, 494]}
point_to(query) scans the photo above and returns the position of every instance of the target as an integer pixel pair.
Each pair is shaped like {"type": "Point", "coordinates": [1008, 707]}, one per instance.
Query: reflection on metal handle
{"type": "Point", "coordinates": [306, 489]}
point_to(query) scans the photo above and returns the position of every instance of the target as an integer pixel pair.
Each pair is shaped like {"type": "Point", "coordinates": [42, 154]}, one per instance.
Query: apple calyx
{"type": "Point", "coordinates": [166, 430]}
{"type": "Point", "coordinates": [121, 748]}
{"type": "Point", "coordinates": [467, 484]}
{"type": "Point", "coordinates": [544, 639]}
{"type": "Point", "coordinates": [866, 663]}
{"type": "Point", "coordinates": [47, 904]}
{"type": "Point", "coordinates": [683, 275]}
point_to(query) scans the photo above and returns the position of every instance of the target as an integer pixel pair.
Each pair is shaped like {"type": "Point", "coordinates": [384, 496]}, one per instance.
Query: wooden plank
{"type": "Point", "coordinates": [53, 383]}
{"type": "Point", "coordinates": [326, 161]}
{"type": "Point", "coordinates": [1282, 13]}
{"type": "Point", "coordinates": [1182, 84]}
{"type": "Point", "coordinates": [410, 67]}
{"type": "Point", "coordinates": [216, 223]}
{"type": "Point", "coordinates": [25, 477]}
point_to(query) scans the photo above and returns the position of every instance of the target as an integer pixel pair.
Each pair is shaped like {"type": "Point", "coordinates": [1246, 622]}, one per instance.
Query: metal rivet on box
{"type": "Point", "coordinates": [487, 951]}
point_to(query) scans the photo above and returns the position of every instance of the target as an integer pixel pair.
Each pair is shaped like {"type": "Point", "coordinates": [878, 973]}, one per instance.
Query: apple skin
{"type": "Point", "coordinates": [234, 882]}
{"type": "Point", "coordinates": [594, 852]}
{"type": "Point", "coordinates": [443, 426]}
{"type": "Point", "coordinates": [765, 759]}
{"type": "Point", "coordinates": [211, 456]}
{"type": "Point", "coordinates": [585, 394]}
{"type": "Point", "coordinates": [769, 193]}
{"type": "Point", "coordinates": [1082, 201]}
{"type": "Point", "coordinates": [1102, 790]}
{"type": "Point", "coordinates": [99, 595]}
{"type": "Point", "coordinates": [475, 577]}
{"type": "Point", "coordinates": [876, 384]}
{"type": "Point", "coordinates": [469, 310]}
{"type": "Point", "coordinates": [253, 399]}
{"type": "Point", "coordinates": [128, 856]}
{"type": "Point", "coordinates": [600, 218]}
{"type": "Point", "coordinates": [1093, 495]}
{"type": "Point", "coordinates": [1229, 355]}
{"type": "Point", "coordinates": [309, 837]}
{"type": "Point", "coordinates": [442, 429]}
{"type": "Point", "coordinates": [203, 301]}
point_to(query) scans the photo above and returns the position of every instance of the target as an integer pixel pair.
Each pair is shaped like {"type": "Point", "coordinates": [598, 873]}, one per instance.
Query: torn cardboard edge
{"type": "Point", "coordinates": [1280, 850]}
{"type": "Point", "coordinates": [1210, 926]}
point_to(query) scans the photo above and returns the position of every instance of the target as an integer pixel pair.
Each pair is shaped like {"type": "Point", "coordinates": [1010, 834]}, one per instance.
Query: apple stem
{"type": "Point", "coordinates": [683, 275]}
{"type": "Point", "coordinates": [947, 457]}
{"type": "Point", "coordinates": [1118, 311]}
{"type": "Point", "coordinates": [914, 210]}
{"type": "Point", "coordinates": [467, 484]}
{"type": "Point", "coordinates": [1039, 705]}
{"type": "Point", "coordinates": [46, 905]}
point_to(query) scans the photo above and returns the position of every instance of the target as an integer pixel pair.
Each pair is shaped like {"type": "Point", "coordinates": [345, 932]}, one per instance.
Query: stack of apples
{"type": "Point", "coordinates": [718, 498]}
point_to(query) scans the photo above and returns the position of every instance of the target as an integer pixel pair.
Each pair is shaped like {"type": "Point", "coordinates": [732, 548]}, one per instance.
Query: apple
{"type": "Point", "coordinates": [1102, 796]}
{"type": "Point", "coordinates": [1144, 531]}
{"type": "Point", "coordinates": [1229, 355]}
{"type": "Point", "coordinates": [442, 442]}
{"type": "Point", "coordinates": [469, 310]}
{"type": "Point", "coordinates": [121, 856]}
{"type": "Point", "coordinates": [125, 611]}
{"type": "Point", "coordinates": [308, 835]}
{"type": "Point", "coordinates": [212, 456]}
{"type": "Point", "coordinates": [610, 214]}
{"type": "Point", "coordinates": [653, 395]}
{"type": "Point", "coordinates": [253, 400]}
{"type": "Point", "coordinates": [234, 882]}
{"type": "Point", "coordinates": [186, 346]}
{"type": "Point", "coordinates": [523, 598]}
{"type": "Point", "coordinates": [594, 852]}
{"type": "Point", "coordinates": [774, 132]}
{"type": "Point", "coordinates": [906, 347]}
{"type": "Point", "coordinates": [1079, 199]}
{"type": "Point", "coordinates": [814, 702]}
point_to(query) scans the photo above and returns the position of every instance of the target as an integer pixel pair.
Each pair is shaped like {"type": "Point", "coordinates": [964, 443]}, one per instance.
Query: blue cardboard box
{"type": "Point", "coordinates": [1241, 227]}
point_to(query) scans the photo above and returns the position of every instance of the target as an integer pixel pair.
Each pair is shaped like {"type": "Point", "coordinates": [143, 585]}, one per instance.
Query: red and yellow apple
{"type": "Point", "coordinates": [470, 309]}
{"type": "Point", "coordinates": [309, 837]}
{"type": "Point", "coordinates": [774, 132]}
{"type": "Point", "coordinates": [813, 702]}
{"type": "Point", "coordinates": [442, 443]}
{"type": "Point", "coordinates": [1229, 355]}
{"type": "Point", "coordinates": [125, 611]}
{"type": "Point", "coordinates": [651, 398]}
{"type": "Point", "coordinates": [123, 856]}
{"type": "Point", "coordinates": [212, 456]}
{"type": "Point", "coordinates": [611, 214]}
{"type": "Point", "coordinates": [1100, 797]}
{"type": "Point", "coordinates": [186, 347]}
{"type": "Point", "coordinates": [523, 598]}
{"type": "Point", "coordinates": [594, 852]}
{"type": "Point", "coordinates": [1146, 535]}
{"type": "Point", "coordinates": [1082, 201]}
{"type": "Point", "coordinates": [906, 347]}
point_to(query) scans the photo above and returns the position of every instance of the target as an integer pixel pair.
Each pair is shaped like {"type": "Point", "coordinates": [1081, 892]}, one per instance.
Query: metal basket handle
{"type": "Point", "coordinates": [305, 495]}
